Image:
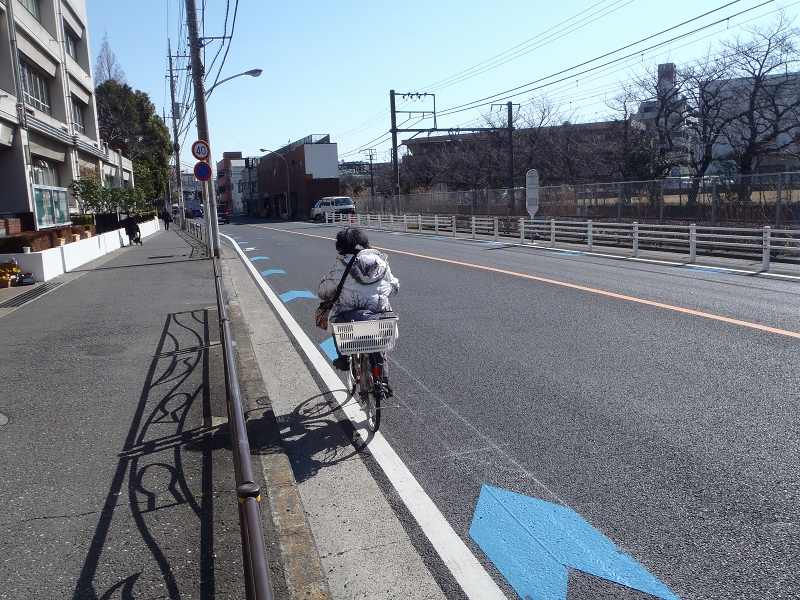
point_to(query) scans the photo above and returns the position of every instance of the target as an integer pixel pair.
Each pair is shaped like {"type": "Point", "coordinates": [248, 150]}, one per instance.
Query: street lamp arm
{"type": "Point", "coordinates": [251, 73]}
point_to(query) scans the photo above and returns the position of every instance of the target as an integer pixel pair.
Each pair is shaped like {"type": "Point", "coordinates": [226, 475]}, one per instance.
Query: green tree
{"type": "Point", "coordinates": [88, 192]}
{"type": "Point", "coordinates": [129, 123]}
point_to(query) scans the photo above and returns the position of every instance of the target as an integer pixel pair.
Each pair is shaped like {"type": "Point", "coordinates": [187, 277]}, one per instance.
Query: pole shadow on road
{"type": "Point", "coordinates": [160, 543]}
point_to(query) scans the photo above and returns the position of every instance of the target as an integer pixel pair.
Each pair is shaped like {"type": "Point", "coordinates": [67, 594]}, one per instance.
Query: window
{"type": "Point", "coordinates": [70, 42]}
{"type": "Point", "coordinates": [34, 87]}
{"type": "Point", "coordinates": [33, 8]}
{"type": "Point", "coordinates": [77, 116]}
{"type": "Point", "coordinates": [45, 173]}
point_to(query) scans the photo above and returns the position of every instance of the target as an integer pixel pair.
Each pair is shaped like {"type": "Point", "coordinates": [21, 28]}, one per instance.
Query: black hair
{"type": "Point", "coordinates": [348, 240]}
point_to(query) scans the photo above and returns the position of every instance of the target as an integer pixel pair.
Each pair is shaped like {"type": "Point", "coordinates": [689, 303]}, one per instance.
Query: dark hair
{"type": "Point", "coordinates": [348, 240]}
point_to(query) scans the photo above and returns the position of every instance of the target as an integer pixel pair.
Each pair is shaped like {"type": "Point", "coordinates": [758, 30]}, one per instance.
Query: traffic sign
{"type": "Point", "coordinates": [201, 150]}
{"type": "Point", "coordinates": [532, 191]}
{"type": "Point", "coordinates": [202, 171]}
{"type": "Point", "coordinates": [531, 542]}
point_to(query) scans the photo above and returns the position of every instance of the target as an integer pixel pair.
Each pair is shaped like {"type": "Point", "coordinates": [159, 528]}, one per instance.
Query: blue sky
{"type": "Point", "coordinates": [329, 66]}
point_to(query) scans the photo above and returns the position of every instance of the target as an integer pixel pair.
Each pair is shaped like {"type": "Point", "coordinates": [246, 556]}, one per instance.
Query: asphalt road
{"type": "Point", "coordinates": [659, 403]}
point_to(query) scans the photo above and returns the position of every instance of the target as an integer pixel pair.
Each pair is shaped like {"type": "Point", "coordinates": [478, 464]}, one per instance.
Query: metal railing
{"type": "Point", "coordinates": [248, 492]}
{"type": "Point", "coordinates": [766, 242]}
{"type": "Point", "coordinates": [194, 229]}
{"type": "Point", "coordinates": [751, 201]}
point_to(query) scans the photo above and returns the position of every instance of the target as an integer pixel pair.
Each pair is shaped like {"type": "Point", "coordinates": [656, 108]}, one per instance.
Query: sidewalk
{"type": "Point", "coordinates": [116, 474]}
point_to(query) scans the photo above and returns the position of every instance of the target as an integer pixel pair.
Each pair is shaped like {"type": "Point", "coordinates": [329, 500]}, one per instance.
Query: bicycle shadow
{"type": "Point", "coordinates": [139, 548]}
{"type": "Point", "coordinates": [315, 435]}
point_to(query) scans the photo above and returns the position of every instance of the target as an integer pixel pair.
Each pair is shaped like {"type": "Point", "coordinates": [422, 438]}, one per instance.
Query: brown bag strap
{"type": "Point", "coordinates": [344, 276]}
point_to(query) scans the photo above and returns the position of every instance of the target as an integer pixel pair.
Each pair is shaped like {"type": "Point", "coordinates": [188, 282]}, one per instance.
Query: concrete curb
{"type": "Point", "coordinates": [296, 558]}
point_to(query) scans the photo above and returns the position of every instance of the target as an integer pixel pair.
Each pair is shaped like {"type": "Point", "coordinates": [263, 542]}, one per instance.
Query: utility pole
{"type": "Point", "coordinates": [511, 155]}
{"type": "Point", "coordinates": [198, 73]}
{"type": "Point", "coordinates": [176, 144]}
{"type": "Point", "coordinates": [370, 152]}
{"type": "Point", "coordinates": [395, 162]}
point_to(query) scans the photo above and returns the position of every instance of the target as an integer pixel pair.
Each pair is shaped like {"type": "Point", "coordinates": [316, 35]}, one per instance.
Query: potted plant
{"type": "Point", "coordinates": [9, 271]}
{"type": "Point", "coordinates": [60, 241]}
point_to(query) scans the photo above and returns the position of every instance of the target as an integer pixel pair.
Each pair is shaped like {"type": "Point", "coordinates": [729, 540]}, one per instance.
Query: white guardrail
{"type": "Point", "coordinates": [766, 242]}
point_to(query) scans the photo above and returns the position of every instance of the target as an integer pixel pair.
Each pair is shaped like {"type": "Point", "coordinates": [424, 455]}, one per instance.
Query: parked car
{"type": "Point", "coordinates": [332, 205]}
{"type": "Point", "coordinates": [223, 216]}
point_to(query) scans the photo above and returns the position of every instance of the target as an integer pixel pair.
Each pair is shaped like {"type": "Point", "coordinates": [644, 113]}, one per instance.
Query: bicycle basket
{"type": "Point", "coordinates": [357, 337]}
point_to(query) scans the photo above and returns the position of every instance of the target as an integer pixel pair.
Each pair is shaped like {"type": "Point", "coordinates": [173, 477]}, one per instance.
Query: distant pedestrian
{"type": "Point", "coordinates": [132, 229]}
{"type": "Point", "coordinates": [167, 219]}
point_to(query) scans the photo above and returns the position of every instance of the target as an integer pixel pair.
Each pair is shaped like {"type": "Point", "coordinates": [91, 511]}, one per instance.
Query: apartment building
{"type": "Point", "coordinates": [230, 172]}
{"type": "Point", "coordinates": [293, 178]}
{"type": "Point", "coordinates": [48, 118]}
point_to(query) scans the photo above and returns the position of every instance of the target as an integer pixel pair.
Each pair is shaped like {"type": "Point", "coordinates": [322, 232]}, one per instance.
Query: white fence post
{"type": "Point", "coordinates": [419, 223]}
{"type": "Point", "coordinates": [391, 223]}
{"type": "Point", "coordinates": [522, 232]}
{"type": "Point", "coordinates": [495, 229]}
{"type": "Point", "coordinates": [454, 225]}
{"type": "Point", "coordinates": [635, 239]}
{"type": "Point", "coordinates": [692, 243]}
{"type": "Point", "coordinates": [368, 221]}
{"type": "Point", "coordinates": [436, 224]}
{"type": "Point", "coordinates": [405, 223]}
{"type": "Point", "coordinates": [589, 234]}
{"type": "Point", "coordinates": [765, 249]}
{"type": "Point", "coordinates": [473, 228]}
{"type": "Point", "coordinates": [379, 222]}
{"type": "Point", "coordinates": [552, 233]}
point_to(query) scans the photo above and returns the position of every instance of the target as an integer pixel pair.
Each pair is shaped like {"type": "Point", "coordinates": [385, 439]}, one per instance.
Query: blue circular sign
{"type": "Point", "coordinates": [202, 171]}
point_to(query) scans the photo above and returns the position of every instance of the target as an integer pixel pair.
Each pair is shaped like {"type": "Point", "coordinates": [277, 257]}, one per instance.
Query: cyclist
{"type": "Point", "coordinates": [366, 290]}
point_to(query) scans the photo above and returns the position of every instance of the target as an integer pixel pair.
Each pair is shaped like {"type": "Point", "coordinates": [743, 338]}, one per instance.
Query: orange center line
{"type": "Point", "coordinates": [680, 309]}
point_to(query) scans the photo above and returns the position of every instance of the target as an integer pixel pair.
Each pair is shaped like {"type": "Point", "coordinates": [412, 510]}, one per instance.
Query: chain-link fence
{"type": "Point", "coordinates": [756, 200]}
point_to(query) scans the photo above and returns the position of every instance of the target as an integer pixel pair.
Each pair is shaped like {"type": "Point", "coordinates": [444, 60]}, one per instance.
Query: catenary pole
{"type": "Point", "coordinates": [395, 160]}
{"type": "Point", "coordinates": [198, 72]}
{"type": "Point", "coordinates": [511, 156]}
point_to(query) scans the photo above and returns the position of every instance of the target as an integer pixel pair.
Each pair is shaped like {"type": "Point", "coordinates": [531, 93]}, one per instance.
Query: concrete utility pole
{"type": "Point", "coordinates": [198, 73]}
{"type": "Point", "coordinates": [511, 155]}
{"type": "Point", "coordinates": [176, 144]}
{"type": "Point", "coordinates": [395, 160]}
{"type": "Point", "coordinates": [371, 152]}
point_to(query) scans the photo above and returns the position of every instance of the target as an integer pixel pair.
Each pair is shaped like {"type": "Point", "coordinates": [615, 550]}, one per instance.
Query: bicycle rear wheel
{"type": "Point", "coordinates": [352, 375]}
{"type": "Point", "coordinates": [370, 399]}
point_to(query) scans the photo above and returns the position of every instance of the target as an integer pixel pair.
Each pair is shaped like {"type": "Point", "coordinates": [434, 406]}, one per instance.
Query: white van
{"type": "Point", "coordinates": [332, 205]}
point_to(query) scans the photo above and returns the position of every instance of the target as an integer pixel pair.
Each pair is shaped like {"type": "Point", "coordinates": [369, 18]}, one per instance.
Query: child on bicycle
{"type": "Point", "coordinates": [366, 290]}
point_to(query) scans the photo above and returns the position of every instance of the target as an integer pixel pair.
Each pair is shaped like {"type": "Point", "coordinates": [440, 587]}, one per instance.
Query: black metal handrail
{"type": "Point", "coordinates": [254, 551]}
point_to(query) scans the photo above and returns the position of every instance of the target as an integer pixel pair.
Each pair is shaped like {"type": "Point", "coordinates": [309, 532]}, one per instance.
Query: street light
{"type": "Point", "coordinates": [287, 177]}
{"type": "Point", "coordinates": [251, 73]}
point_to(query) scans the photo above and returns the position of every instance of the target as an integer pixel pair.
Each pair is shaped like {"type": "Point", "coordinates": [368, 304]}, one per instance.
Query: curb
{"type": "Point", "coordinates": [295, 565]}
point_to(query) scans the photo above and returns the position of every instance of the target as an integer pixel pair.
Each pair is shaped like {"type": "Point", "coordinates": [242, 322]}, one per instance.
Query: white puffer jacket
{"type": "Point", "coordinates": [369, 284]}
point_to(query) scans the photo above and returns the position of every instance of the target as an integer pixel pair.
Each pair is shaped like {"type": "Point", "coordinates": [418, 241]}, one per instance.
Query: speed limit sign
{"type": "Point", "coordinates": [201, 150]}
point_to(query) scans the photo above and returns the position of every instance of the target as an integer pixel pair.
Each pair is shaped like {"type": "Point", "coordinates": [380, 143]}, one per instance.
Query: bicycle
{"type": "Point", "coordinates": [360, 340]}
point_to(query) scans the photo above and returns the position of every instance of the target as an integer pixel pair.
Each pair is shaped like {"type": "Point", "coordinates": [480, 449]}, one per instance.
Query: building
{"type": "Point", "coordinates": [192, 192]}
{"type": "Point", "coordinates": [250, 194]}
{"type": "Point", "coordinates": [48, 118]}
{"type": "Point", "coordinates": [230, 172]}
{"type": "Point", "coordinates": [293, 178]}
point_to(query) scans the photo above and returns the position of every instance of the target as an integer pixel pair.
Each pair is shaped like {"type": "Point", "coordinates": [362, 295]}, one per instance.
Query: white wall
{"type": "Point", "coordinates": [322, 160]}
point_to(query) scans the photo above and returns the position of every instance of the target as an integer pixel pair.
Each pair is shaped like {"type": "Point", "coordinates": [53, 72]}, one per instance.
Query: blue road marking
{"type": "Point", "coordinates": [255, 258]}
{"type": "Point", "coordinates": [437, 237]}
{"type": "Point", "coordinates": [572, 252]}
{"type": "Point", "coordinates": [236, 237]}
{"type": "Point", "coordinates": [296, 294]}
{"type": "Point", "coordinates": [242, 243]}
{"type": "Point", "coordinates": [709, 270]}
{"type": "Point", "coordinates": [531, 542]}
{"type": "Point", "coordinates": [492, 243]}
{"type": "Point", "coordinates": [329, 348]}
{"type": "Point", "coordinates": [273, 272]}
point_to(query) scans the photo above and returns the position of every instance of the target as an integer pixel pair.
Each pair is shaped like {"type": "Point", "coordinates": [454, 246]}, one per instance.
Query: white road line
{"type": "Point", "coordinates": [466, 569]}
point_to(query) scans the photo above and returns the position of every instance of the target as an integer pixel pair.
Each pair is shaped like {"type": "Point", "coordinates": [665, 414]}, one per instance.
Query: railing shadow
{"type": "Point", "coordinates": [165, 469]}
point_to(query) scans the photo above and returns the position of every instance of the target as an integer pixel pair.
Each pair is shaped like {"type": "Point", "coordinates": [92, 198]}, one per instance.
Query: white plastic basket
{"type": "Point", "coordinates": [365, 336]}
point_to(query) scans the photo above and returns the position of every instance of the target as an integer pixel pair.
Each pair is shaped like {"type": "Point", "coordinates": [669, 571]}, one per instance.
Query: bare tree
{"type": "Point", "coordinates": [767, 102]}
{"type": "Point", "coordinates": [107, 68]}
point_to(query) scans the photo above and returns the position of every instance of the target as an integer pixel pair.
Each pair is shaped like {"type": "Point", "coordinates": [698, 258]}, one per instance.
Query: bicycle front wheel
{"type": "Point", "coordinates": [370, 399]}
